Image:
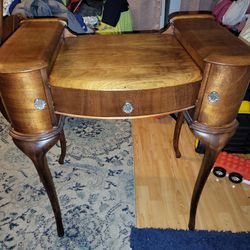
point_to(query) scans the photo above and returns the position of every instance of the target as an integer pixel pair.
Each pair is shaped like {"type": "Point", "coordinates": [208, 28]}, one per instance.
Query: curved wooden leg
{"type": "Point", "coordinates": [63, 147]}
{"type": "Point", "coordinates": [215, 139]}
{"type": "Point", "coordinates": [36, 150]}
{"type": "Point", "coordinates": [177, 131]}
{"type": "Point", "coordinates": [206, 166]}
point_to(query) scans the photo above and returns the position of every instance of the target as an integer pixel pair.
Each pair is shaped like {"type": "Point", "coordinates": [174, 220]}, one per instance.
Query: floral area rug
{"type": "Point", "coordinates": [95, 187]}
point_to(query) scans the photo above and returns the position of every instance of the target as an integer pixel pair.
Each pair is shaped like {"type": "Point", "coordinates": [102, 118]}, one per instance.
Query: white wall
{"type": "Point", "coordinates": [174, 6]}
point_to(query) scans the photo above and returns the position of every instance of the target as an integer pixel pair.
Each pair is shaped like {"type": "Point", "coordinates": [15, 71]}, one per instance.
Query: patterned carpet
{"type": "Point", "coordinates": [95, 188]}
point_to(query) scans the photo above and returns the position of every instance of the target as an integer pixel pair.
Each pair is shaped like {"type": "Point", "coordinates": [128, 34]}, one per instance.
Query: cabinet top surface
{"type": "Point", "coordinates": [123, 62]}
{"type": "Point", "coordinates": [212, 42]}
{"type": "Point", "coordinates": [31, 47]}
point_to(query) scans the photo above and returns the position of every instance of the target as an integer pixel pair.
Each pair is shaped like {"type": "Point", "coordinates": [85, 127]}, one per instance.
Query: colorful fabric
{"type": "Point", "coordinates": [6, 5]}
{"type": "Point", "coordinates": [112, 11]}
{"type": "Point", "coordinates": [220, 9]}
{"type": "Point", "coordinates": [73, 5]}
{"type": "Point", "coordinates": [80, 19]}
{"type": "Point", "coordinates": [65, 2]}
{"type": "Point", "coordinates": [245, 33]}
{"type": "Point", "coordinates": [232, 14]}
{"type": "Point", "coordinates": [124, 24]}
{"type": "Point", "coordinates": [36, 8]}
{"type": "Point", "coordinates": [236, 12]}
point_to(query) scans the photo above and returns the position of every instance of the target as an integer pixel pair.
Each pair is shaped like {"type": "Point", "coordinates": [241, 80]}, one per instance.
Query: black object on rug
{"type": "Point", "coordinates": [150, 239]}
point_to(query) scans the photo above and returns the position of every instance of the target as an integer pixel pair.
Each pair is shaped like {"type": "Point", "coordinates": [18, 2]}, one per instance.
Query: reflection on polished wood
{"type": "Point", "coordinates": [164, 184]}
{"type": "Point", "coordinates": [124, 62]}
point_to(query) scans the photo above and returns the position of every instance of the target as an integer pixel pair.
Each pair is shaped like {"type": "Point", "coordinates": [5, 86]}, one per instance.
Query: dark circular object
{"type": "Point", "coordinates": [235, 177]}
{"type": "Point", "coordinates": [219, 172]}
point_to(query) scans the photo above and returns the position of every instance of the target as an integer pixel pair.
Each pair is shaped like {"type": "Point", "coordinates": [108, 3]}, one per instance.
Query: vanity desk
{"type": "Point", "coordinates": [197, 69]}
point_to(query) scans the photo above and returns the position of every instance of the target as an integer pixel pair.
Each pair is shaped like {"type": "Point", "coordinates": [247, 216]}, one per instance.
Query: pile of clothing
{"type": "Point", "coordinates": [6, 5]}
{"type": "Point", "coordinates": [114, 16]}
{"type": "Point", "coordinates": [47, 8]}
{"type": "Point", "coordinates": [83, 16]}
{"type": "Point", "coordinates": [235, 15]}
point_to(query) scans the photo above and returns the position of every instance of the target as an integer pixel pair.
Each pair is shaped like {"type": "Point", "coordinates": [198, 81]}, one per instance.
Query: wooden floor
{"type": "Point", "coordinates": [164, 184]}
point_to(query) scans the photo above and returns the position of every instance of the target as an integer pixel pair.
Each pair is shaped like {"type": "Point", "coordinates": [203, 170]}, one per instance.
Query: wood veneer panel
{"type": "Point", "coordinates": [96, 75]}
{"type": "Point", "coordinates": [110, 103]}
{"type": "Point", "coordinates": [19, 92]}
{"type": "Point", "coordinates": [205, 40]}
{"type": "Point", "coordinates": [31, 47]}
{"type": "Point", "coordinates": [124, 62]}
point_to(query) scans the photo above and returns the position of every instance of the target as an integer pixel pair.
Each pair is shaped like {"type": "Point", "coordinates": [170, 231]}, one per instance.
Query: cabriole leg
{"type": "Point", "coordinates": [177, 131]}
{"type": "Point", "coordinates": [206, 166]}
{"type": "Point", "coordinates": [36, 150]}
{"type": "Point", "coordinates": [215, 139]}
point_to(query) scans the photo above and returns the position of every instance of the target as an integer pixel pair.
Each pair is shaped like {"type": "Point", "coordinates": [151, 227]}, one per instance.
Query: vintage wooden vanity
{"type": "Point", "coordinates": [199, 70]}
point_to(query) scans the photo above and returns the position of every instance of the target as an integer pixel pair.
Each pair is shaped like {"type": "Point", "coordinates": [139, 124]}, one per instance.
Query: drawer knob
{"type": "Point", "coordinates": [39, 104]}
{"type": "Point", "coordinates": [127, 108]}
{"type": "Point", "coordinates": [213, 97]}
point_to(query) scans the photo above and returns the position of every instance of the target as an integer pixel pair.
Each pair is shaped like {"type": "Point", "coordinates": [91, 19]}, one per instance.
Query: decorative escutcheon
{"type": "Point", "coordinates": [213, 97]}
{"type": "Point", "coordinates": [127, 108]}
{"type": "Point", "coordinates": [39, 104]}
